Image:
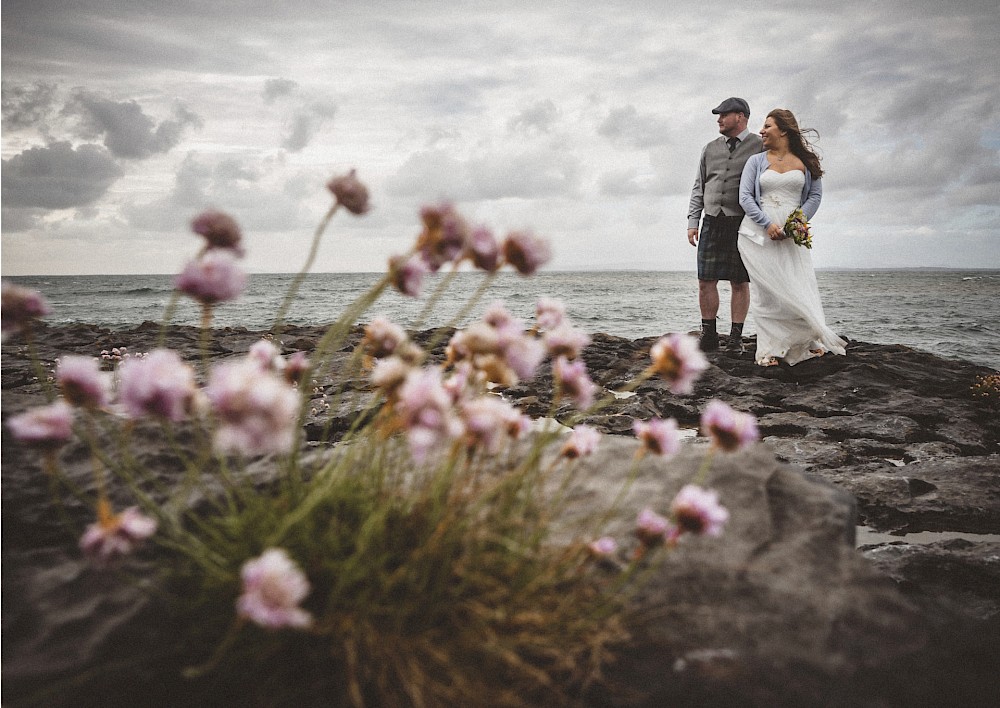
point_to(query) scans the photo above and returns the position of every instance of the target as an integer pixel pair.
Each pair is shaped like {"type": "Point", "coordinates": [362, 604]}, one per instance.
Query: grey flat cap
{"type": "Point", "coordinates": [733, 105]}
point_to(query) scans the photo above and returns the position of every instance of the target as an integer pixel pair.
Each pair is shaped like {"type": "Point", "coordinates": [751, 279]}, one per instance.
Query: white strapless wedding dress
{"type": "Point", "coordinates": [784, 298]}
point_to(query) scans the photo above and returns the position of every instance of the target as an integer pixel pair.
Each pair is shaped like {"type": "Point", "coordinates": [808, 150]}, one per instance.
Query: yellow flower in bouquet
{"type": "Point", "coordinates": [797, 228]}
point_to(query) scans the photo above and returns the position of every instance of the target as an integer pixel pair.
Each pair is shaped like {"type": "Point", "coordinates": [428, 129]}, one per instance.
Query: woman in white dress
{"type": "Point", "coordinates": [783, 293]}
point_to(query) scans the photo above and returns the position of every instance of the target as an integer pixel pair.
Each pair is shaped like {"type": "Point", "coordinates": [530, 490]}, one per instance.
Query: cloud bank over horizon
{"type": "Point", "coordinates": [583, 123]}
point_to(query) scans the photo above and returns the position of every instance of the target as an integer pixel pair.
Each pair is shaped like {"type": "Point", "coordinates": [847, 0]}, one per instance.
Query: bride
{"type": "Point", "coordinates": [784, 295]}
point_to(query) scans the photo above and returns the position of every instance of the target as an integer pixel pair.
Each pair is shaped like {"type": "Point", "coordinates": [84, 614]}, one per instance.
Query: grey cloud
{"type": "Point", "coordinates": [15, 219]}
{"type": "Point", "coordinates": [305, 124]}
{"type": "Point", "coordinates": [626, 126]}
{"type": "Point", "coordinates": [278, 88]}
{"type": "Point", "coordinates": [233, 184]}
{"type": "Point", "coordinates": [58, 176]}
{"type": "Point", "coordinates": [622, 183]}
{"type": "Point", "coordinates": [539, 117]}
{"type": "Point", "coordinates": [27, 105]}
{"type": "Point", "coordinates": [533, 174]}
{"type": "Point", "coordinates": [127, 130]}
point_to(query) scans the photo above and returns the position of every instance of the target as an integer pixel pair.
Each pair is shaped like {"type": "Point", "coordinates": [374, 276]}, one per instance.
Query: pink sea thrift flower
{"type": "Point", "coordinates": [729, 430]}
{"type": "Point", "coordinates": [213, 277]}
{"type": "Point", "coordinates": [349, 192]}
{"type": "Point", "coordinates": [160, 385]}
{"type": "Point", "coordinates": [267, 355]}
{"type": "Point", "coordinates": [427, 413]}
{"type": "Point", "coordinates": [549, 313]}
{"type": "Point", "coordinates": [82, 382]}
{"type": "Point", "coordinates": [389, 374]}
{"type": "Point", "coordinates": [581, 442]}
{"type": "Point", "coordinates": [115, 535]}
{"type": "Point", "coordinates": [257, 410]}
{"type": "Point", "coordinates": [523, 354]}
{"type": "Point", "coordinates": [678, 359]}
{"type": "Point", "coordinates": [445, 236]}
{"type": "Point", "coordinates": [526, 252]}
{"type": "Point", "coordinates": [499, 318]}
{"type": "Point", "coordinates": [488, 419]}
{"type": "Point", "coordinates": [46, 427]}
{"type": "Point", "coordinates": [483, 249]}
{"type": "Point", "coordinates": [20, 307]}
{"type": "Point", "coordinates": [659, 436]}
{"type": "Point", "coordinates": [296, 367]}
{"type": "Point", "coordinates": [603, 547]}
{"type": "Point", "coordinates": [220, 231]}
{"type": "Point", "coordinates": [574, 381]}
{"type": "Point", "coordinates": [651, 528]}
{"type": "Point", "coordinates": [273, 587]}
{"type": "Point", "coordinates": [697, 510]}
{"type": "Point", "coordinates": [382, 337]}
{"type": "Point", "coordinates": [407, 274]}
{"type": "Point", "coordinates": [566, 340]}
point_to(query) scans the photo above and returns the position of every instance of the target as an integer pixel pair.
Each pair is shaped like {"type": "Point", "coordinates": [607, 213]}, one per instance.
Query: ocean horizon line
{"type": "Point", "coordinates": [830, 269]}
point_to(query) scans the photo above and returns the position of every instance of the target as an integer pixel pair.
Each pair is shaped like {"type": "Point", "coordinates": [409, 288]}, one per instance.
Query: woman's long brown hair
{"type": "Point", "coordinates": [797, 142]}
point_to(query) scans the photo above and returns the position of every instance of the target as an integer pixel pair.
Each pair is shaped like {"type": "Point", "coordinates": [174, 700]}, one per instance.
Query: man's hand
{"type": "Point", "coordinates": [693, 237]}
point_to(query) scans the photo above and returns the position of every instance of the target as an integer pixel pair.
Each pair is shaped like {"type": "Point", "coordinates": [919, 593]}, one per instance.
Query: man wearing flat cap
{"type": "Point", "coordinates": [716, 193]}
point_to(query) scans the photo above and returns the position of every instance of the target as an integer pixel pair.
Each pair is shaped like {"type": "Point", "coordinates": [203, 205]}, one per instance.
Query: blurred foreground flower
{"type": "Point", "coordinates": [603, 547]}
{"type": "Point", "coordinates": [651, 528]}
{"type": "Point", "coordinates": [349, 192]}
{"type": "Point", "coordinates": [160, 385]}
{"type": "Point", "coordinates": [678, 359]}
{"type": "Point", "coordinates": [581, 442]}
{"type": "Point", "coordinates": [407, 274]}
{"type": "Point", "coordinates": [82, 382]}
{"type": "Point", "coordinates": [214, 277]}
{"type": "Point", "coordinates": [658, 436]}
{"type": "Point", "coordinates": [729, 430]}
{"type": "Point", "coordinates": [46, 427]}
{"type": "Point", "coordinates": [273, 587]}
{"type": "Point", "coordinates": [115, 534]}
{"type": "Point", "coordinates": [574, 381]}
{"type": "Point", "coordinates": [220, 231]}
{"type": "Point", "coordinates": [697, 510]}
{"type": "Point", "coordinates": [526, 252]}
{"type": "Point", "coordinates": [257, 410]}
{"type": "Point", "coordinates": [20, 307]}
{"type": "Point", "coordinates": [425, 407]}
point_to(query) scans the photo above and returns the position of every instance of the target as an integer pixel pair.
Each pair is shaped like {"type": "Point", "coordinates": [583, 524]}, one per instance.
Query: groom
{"type": "Point", "coordinates": [716, 191]}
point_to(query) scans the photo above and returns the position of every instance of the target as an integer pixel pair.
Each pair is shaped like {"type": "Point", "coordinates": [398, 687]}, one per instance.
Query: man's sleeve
{"type": "Point", "coordinates": [697, 203]}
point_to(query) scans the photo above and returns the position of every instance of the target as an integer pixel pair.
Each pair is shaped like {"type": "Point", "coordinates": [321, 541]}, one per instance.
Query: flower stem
{"type": "Point", "coordinates": [293, 289]}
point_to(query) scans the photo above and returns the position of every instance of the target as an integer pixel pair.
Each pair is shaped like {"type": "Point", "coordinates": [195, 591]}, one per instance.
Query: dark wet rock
{"type": "Point", "coordinates": [781, 612]}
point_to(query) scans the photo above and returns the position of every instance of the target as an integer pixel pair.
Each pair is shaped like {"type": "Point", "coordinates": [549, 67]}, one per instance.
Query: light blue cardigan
{"type": "Point", "coordinates": [812, 191]}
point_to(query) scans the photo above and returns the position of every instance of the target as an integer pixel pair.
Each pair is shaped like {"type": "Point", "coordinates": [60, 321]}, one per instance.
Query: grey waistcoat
{"type": "Point", "coordinates": [722, 174]}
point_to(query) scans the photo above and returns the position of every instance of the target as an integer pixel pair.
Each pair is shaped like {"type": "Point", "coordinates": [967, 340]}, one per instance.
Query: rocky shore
{"type": "Point", "coordinates": [786, 611]}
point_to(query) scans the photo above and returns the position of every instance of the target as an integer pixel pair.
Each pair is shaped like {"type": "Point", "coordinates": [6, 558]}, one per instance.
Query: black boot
{"type": "Point", "coordinates": [709, 337]}
{"type": "Point", "coordinates": [734, 346]}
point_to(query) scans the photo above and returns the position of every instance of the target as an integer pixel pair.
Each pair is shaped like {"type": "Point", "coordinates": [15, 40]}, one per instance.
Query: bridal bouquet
{"type": "Point", "coordinates": [797, 228]}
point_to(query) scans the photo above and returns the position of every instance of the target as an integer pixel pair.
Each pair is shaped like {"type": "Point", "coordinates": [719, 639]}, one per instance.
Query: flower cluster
{"type": "Point", "coordinates": [361, 523]}
{"type": "Point", "coordinates": [215, 275]}
{"type": "Point", "coordinates": [797, 228]}
{"type": "Point", "coordinates": [448, 238]}
{"type": "Point", "coordinates": [694, 510]}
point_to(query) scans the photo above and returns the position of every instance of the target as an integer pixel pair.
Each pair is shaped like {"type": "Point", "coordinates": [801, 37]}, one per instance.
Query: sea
{"type": "Point", "coordinates": [951, 313]}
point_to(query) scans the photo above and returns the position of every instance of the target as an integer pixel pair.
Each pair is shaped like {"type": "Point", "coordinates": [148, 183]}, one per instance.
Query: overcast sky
{"type": "Point", "coordinates": [583, 121]}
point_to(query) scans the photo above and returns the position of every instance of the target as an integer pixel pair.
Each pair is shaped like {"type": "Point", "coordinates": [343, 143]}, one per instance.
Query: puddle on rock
{"type": "Point", "coordinates": [869, 537]}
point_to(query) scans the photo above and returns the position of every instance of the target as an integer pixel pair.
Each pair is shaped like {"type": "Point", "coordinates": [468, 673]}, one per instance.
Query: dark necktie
{"type": "Point", "coordinates": [732, 143]}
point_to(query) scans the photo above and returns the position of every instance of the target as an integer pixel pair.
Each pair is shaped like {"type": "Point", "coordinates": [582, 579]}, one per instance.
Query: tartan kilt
{"type": "Point", "coordinates": [718, 255]}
